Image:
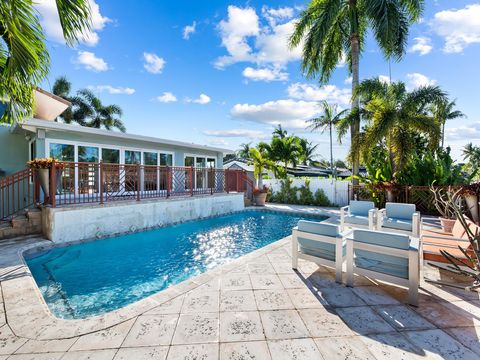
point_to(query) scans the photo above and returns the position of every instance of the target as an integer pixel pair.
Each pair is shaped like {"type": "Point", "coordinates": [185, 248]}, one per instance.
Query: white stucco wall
{"type": "Point", "coordinates": [86, 222]}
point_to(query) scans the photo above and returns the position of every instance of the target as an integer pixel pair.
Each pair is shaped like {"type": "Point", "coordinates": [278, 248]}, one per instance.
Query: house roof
{"type": "Point", "coordinates": [238, 163]}
{"type": "Point", "coordinates": [33, 124]}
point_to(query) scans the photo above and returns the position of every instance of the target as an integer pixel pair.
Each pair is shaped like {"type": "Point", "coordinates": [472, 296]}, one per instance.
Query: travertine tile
{"type": "Point", "coordinates": [42, 356]}
{"type": "Point", "coordinates": [170, 307]}
{"type": "Point", "coordinates": [402, 317]}
{"type": "Point", "coordinates": [260, 268]}
{"type": "Point", "coordinates": [374, 295]}
{"type": "Point", "coordinates": [285, 324]}
{"type": "Point", "coordinates": [343, 348]}
{"type": "Point", "coordinates": [442, 316]}
{"type": "Point", "coordinates": [251, 350]}
{"type": "Point", "coordinates": [206, 301]}
{"type": "Point", "coordinates": [437, 342]}
{"type": "Point", "coordinates": [106, 339]}
{"type": "Point", "coordinates": [272, 300]}
{"type": "Point", "coordinates": [298, 349]}
{"type": "Point", "coordinates": [193, 352]}
{"type": "Point", "coordinates": [364, 320]}
{"type": "Point", "coordinates": [240, 326]}
{"type": "Point", "coordinates": [267, 281]}
{"type": "Point", "coordinates": [392, 346]}
{"type": "Point", "coordinates": [305, 299]}
{"type": "Point", "coordinates": [340, 297]}
{"type": "Point", "coordinates": [240, 300]}
{"type": "Point", "coordinates": [235, 282]}
{"type": "Point", "coordinates": [284, 267]}
{"type": "Point", "coordinates": [197, 329]}
{"type": "Point", "coordinates": [324, 323]}
{"type": "Point", "coordinates": [43, 346]}
{"type": "Point", "coordinates": [468, 336]}
{"type": "Point", "coordinates": [90, 355]}
{"type": "Point", "coordinates": [243, 269]}
{"type": "Point", "coordinates": [321, 280]}
{"type": "Point", "coordinates": [8, 341]}
{"type": "Point", "coordinates": [151, 330]}
{"type": "Point", "coordinates": [142, 353]}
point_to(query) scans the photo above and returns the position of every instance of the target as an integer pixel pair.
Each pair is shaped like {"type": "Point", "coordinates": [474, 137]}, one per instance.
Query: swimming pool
{"type": "Point", "coordinates": [95, 277]}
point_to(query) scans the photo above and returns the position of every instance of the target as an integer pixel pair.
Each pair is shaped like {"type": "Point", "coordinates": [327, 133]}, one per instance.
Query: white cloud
{"type": "Point", "coordinates": [416, 80]}
{"type": "Point", "coordinates": [50, 22]}
{"type": "Point", "coordinates": [331, 93]}
{"type": "Point", "coordinates": [289, 113]}
{"type": "Point", "coordinates": [202, 99]}
{"type": "Point", "coordinates": [464, 133]}
{"type": "Point", "coordinates": [219, 142]}
{"type": "Point", "coordinates": [251, 134]}
{"type": "Point", "coordinates": [384, 79]}
{"type": "Point", "coordinates": [273, 15]}
{"type": "Point", "coordinates": [422, 45]}
{"type": "Point", "coordinates": [166, 97]}
{"type": "Point", "coordinates": [241, 23]}
{"type": "Point", "coordinates": [265, 74]}
{"type": "Point", "coordinates": [153, 63]}
{"type": "Point", "coordinates": [348, 80]}
{"type": "Point", "coordinates": [189, 30]}
{"type": "Point", "coordinates": [112, 89]}
{"type": "Point", "coordinates": [91, 62]}
{"type": "Point", "coordinates": [459, 28]}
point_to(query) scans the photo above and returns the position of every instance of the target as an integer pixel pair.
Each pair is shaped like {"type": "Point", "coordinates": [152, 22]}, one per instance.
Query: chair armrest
{"type": "Point", "coordinates": [295, 228]}
{"type": "Point", "coordinates": [346, 234]}
{"type": "Point", "coordinates": [383, 211]}
{"type": "Point", "coordinates": [345, 209]}
{"type": "Point", "coordinates": [444, 238]}
{"type": "Point", "coordinates": [414, 244]}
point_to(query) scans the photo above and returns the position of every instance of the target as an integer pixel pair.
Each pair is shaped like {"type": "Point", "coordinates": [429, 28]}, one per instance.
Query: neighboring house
{"type": "Point", "coordinates": [41, 136]}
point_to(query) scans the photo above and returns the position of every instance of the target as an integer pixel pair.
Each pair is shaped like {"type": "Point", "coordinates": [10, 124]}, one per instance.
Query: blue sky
{"type": "Point", "coordinates": [219, 73]}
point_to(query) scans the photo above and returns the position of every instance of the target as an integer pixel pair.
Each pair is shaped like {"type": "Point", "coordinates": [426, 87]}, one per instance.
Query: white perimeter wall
{"type": "Point", "coordinates": [86, 222]}
{"type": "Point", "coordinates": [336, 190]}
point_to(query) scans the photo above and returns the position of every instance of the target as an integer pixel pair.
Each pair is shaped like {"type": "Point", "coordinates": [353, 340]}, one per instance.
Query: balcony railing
{"type": "Point", "coordinates": [78, 183]}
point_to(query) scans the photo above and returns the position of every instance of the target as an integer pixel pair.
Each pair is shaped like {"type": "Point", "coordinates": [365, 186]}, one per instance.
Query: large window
{"type": "Point", "coordinates": [211, 174]}
{"type": "Point", "coordinates": [132, 157]}
{"type": "Point", "coordinates": [150, 173]}
{"type": "Point", "coordinates": [88, 173]}
{"type": "Point", "coordinates": [200, 173]}
{"type": "Point", "coordinates": [87, 154]}
{"type": "Point", "coordinates": [111, 156]}
{"type": "Point", "coordinates": [150, 158]}
{"type": "Point", "coordinates": [62, 152]}
{"type": "Point", "coordinates": [166, 159]}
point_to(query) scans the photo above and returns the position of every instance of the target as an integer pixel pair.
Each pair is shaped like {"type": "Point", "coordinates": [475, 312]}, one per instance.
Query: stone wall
{"type": "Point", "coordinates": [86, 222]}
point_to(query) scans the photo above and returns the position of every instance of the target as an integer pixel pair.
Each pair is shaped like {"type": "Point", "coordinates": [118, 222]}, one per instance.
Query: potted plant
{"type": "Point", "coordinates": [470, 194]}
{"type": "Point", "coordinates": [260, 164]}
{"type": "Point", "coordinates": [446, 201]}
{"type": "Point", "coordinates": [43, 167]}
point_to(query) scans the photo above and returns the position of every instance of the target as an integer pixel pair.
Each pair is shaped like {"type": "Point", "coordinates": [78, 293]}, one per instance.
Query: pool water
{"type": "Point", "coordinates": [95, 277]}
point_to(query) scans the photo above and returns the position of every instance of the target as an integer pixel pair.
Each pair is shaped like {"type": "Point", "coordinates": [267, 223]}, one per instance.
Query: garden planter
{"type": "Point", "coordinates": [44, 179]}
{"type": "Point", "coordinates": [472, 204]}
{"type": "Point", "coordinates": [260, 198]}
{"type": "Point", "coordinates": [447, 225]}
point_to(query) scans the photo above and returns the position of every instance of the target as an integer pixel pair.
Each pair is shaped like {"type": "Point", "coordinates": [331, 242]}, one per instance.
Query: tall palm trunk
{"type": "Point", "coordinates": [355, 48]}
{"type": "Point", "coordinates": [334, 174]}
{"type": "Point", "coordinates": [443, 132]}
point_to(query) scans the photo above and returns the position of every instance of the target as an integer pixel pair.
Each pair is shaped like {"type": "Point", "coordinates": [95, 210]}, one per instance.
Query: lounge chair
{"type": "Point", "coordinates": [358, 213]}
{"type": "Point", "coordinates": [399, 217]}
{"type": "Point", "coordinates": [388, 257]}
{"type": "Point", "coordinates": [433, 240]}
{"type": "Point", "coordinates": [320, 243]}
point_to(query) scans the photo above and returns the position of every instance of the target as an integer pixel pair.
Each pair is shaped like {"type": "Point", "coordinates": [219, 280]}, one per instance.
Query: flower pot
{"type": "Point", "coordinates": [447, 225]}
{"type": "Point", "coordinates": [44, 179]}
{"type": "Point", "coordinates": [472, 204]}
{"type": "Point", "coordinates": [260, 198]}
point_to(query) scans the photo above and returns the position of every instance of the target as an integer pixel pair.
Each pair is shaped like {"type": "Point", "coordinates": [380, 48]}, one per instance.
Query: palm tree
{"type": "Point", "coordinates": [279, 132]}
{"type": "Point", "coordinates": [443, 111]}
{"type": "Point", "coordinates": [244, 151]}
{"type": "Point", "coordinates": [471, 153]}
{"type": "Point", "coordinates": [325, 122]}
{"type": "Point", "coordinates": [260, 163]}
{"type": "Point", "coordinates": [24, 59]}
{"type": "Point", "coordinates": [95, 114]}
{"type": "Point", "coordinates": [331, 30]}
{"type": "Point", "coordinates": [307, 151]}
{"type": "Point", "coordinates": [286, 150]}
{"type": "Point", "coordinates": [395, 117]}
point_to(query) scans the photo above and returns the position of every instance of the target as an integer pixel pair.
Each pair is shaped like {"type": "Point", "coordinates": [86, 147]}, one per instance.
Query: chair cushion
{"type": "Point", "coordinates": [318, 228]}
{"type": "Point", "coordinates": [360, 207]}
{"type": "Point", "coordinates": [400, 211]}
{"type": "Point", "coordinates": [397, 241]}
{"type": "Point", "coordinates": [356, 219]}
{"type": "Point", "coordinates": [400, 224]}
{"type": "Point", "coordinates": [385, 264]}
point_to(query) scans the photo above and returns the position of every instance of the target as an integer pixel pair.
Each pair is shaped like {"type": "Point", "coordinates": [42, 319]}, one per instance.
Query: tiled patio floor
{"type": "Point", "coordinates": [262, 309]}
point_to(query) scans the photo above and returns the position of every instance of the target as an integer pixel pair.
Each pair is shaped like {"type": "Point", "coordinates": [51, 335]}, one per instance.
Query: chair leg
{"type": "Point", "coordinates": [349, 262]}
{"type": "Point", "coordinates": [338, 260]}
{"type": "Point", "coordinates": [413, 277]}
{"type": "Point", "coordinates": [294, 250]}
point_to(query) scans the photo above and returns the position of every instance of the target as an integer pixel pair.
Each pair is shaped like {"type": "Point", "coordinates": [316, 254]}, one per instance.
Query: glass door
{"type": "Point", "coordinates": [189, 162]}
{"type": "Point", "coordinates": [110, 174]}
{"type": "Point", "coordinates": [132, 158]}
{"type": "Point", "coordinates": [200, 176]}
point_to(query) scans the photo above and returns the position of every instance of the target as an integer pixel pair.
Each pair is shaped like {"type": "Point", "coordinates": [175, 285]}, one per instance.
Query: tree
{"type": "Point", "coordinates": [279, 132]}
{"type": "Point", "coordinates": [286, 150]}
{"type": "Point", "coordinates": [260, 163]}
{"type": "Point", "coordinates": [244, 151]}
{"type": "Point", "coordinates": [95, 114]}
{"type": "Point", "coordinates": [471, 153]}
{"type": "Point", "coordinates": [444, 110]}
{"type": "Point", "coordinates": [24, 59]}
{"type": "Point", "coordinates": [325, 122]}
{"type": "Point", "coordinates": [334, 29]}
{"type": "Point", "coordinates": [307, 152]}
{"type": "Point", "coordinates": [395, 117]}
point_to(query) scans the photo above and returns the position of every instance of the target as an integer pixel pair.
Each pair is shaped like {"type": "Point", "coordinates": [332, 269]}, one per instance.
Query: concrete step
{"type": "Point", "coordinates": [19, 221]}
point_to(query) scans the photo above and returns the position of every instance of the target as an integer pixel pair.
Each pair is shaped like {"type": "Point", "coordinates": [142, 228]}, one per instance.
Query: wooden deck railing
{"type": "Point", "coordinates": [17, 193]}
{"type": "Point", "coordinates": [77, 183]}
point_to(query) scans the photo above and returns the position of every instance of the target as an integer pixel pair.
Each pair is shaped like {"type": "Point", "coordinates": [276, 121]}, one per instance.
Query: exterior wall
{"type": "Point", "coordinates": [87, 222]}
{"type": "Point", "coordinates": [14, 152]}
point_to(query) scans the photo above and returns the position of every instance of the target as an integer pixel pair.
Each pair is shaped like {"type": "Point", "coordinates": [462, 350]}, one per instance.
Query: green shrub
{"type": "Point", "coordinates": [289, 194]}
{"type": "Point", "coordinates": [306, 195]}
{"type": "Point", "coordinates": [321, 199]}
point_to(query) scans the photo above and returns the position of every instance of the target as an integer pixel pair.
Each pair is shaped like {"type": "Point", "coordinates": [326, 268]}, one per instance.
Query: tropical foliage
{"type": "Point", "coordinates": [332, 31]}
{"type": "Point", "coordinates": [24, 59]}
{"type": "Point", "coordinates": [87, 109]}
{"type": "Point", "coordinates": [302, 195]}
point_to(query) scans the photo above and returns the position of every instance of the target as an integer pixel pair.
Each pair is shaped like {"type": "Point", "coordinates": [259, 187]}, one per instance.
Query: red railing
{"type": "Point", "coordinates": [18, 192]}
{"type": "Point", "coordinates": [77, 183]}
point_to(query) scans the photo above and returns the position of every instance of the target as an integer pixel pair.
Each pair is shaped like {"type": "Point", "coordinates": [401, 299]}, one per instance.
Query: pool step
{"type": "Point", "coordinates": [28, 223]}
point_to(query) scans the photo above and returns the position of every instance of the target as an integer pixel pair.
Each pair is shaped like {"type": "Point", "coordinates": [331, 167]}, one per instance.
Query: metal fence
{"type": "Point", "coordinates": [17, 193]}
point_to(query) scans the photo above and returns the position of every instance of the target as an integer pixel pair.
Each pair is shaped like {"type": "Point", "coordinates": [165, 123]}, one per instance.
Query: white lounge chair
{"type": "Point", "coordinates": [400, 217]}
{"type": "Point", "coordinates": [388, 257]}
{"type": "Point", "coordinates": [320, 243]}
{"type": "Point", "coordinates": [358, 213]}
